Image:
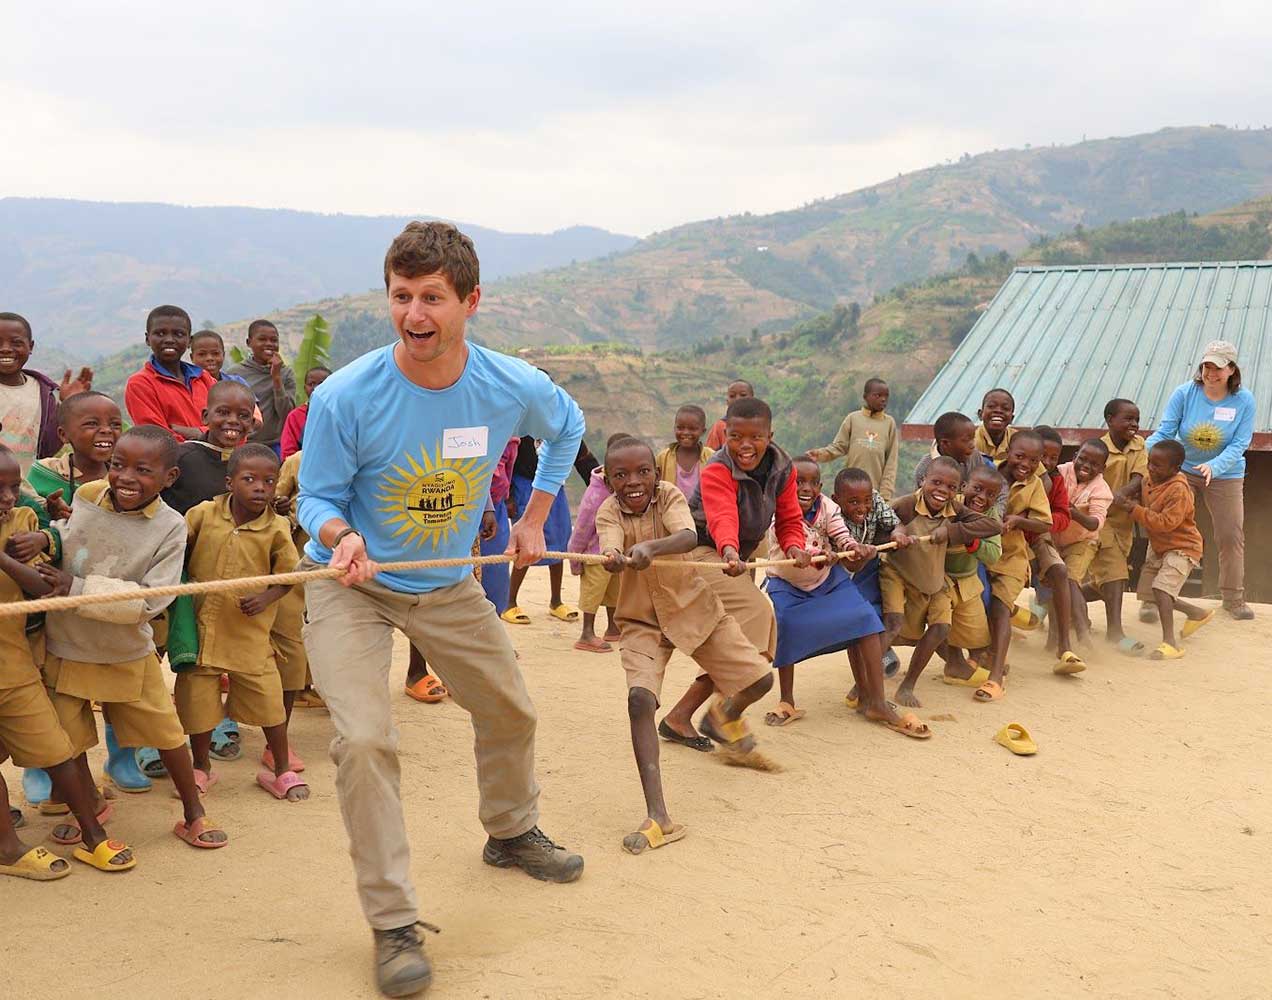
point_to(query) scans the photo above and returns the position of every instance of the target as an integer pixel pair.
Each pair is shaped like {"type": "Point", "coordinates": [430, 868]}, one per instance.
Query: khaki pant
{"type": "Point", "coordinates": [1226, 502]}
{"type": "Point", "coordinates": [349, 638]}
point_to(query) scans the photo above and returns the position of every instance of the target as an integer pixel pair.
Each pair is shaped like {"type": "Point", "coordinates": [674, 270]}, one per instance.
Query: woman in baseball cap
{"type": "Point", "coordinates": [1213, 418]}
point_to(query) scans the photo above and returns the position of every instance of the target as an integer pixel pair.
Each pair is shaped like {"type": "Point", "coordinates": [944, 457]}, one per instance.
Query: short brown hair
{"type": "Point", "coordinates": [431, 248]}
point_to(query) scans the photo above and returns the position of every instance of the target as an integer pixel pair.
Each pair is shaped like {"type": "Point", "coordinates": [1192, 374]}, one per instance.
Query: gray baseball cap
{"type": "Point", "coordinates": [1220, 353]}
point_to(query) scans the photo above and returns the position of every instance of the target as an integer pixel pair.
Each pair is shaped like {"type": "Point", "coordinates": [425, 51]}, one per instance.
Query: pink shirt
{"type": "Point", "coordinates": [826, 532]}
{"type": "Point", "coordinates": [688, 481]}
{"type": "Point", "coordinates": [1095, 496]}
{"type": "Point", "coordinates": [501, 479]}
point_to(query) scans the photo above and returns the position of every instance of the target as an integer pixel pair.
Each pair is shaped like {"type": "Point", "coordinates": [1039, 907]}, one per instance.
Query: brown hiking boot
{"type": "Point", "coordinates": [535, 854]}
{"type": "Point", "coordinates": [1239, 610]}
{"type": "Point", "coordinates": [401, 967]}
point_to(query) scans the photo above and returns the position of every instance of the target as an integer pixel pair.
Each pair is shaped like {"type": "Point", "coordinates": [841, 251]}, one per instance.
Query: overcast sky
{"type": "Point", "coordinates": [634, 117]}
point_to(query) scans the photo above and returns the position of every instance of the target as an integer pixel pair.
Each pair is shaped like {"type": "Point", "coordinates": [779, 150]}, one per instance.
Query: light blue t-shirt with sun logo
{"type": "Point", "coordinates": [1213, 433]}
{"type": "Point", "coordinates": [410, 467]}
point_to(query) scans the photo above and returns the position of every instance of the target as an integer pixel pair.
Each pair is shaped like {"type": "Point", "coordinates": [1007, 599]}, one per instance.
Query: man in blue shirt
{"type": "Point", "coordinates": [400, 447]}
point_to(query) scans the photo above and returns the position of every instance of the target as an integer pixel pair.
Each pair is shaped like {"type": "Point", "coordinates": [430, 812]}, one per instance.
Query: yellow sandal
{"type": "Point", "coordinates": [37, 865]}
{"type": "Point", "coordinates": [515, 616]}
{"type": "Point", "coordinates": [652, 836]}
{"type": "Point", "coordinates": [565, 612]}
{"type": "Point", "coordinates": [101, 856]}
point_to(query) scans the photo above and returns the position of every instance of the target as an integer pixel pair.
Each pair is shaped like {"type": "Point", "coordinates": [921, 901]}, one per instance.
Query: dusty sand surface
{"type": "Point", "coordinates": [1129, 858]}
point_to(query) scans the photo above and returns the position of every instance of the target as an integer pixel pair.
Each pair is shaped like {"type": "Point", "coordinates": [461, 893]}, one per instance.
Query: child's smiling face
{"type": "Point", "coordinates": [168, 338]}
{"type": "Point", "coordinates": [996, 412]}
{"type": "Point", "coordinates": [855, 501]}
{"type": "Point", "coordinates": [747, 438]}
{"type": "Point", "coordinates": [1088, 463]}
{"type": "Point", "coordinates": [808, 484]}
{"type": "Point", "coordinates": [689, 430]}
{"type": "Point", "coordinates": [263, 343]}
{"type": "Point", "coordinates": [138, 472]}
{"type": "Point", "coordinates": [738, 390]}
{"type": "Point", "coordinates": [208, 354]}
{"type": "Point", "coordinates": [1124, 425]}
{"type": "Point", "coordinates": [229, 415]}
{"type": "Point", "coordinates": [981, 491]}
{"type": "Point", "coordinates": [631, 476]}
{"type": "Point", "coordinates": [939, 486]}
{"type": "Point", "coordinates": [1023, 458]}
{"type": "Point", "coordinates": [91, 428]}
{"type": "Point", "coordinates": [15, 348]}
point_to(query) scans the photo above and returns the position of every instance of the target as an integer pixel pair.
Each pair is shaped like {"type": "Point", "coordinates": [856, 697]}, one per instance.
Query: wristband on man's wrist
{"type": "Point", "coordinates": [346, 531]}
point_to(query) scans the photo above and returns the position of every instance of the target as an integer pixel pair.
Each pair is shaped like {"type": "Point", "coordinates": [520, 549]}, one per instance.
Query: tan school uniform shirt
{"type": "Point", "coordinates": [16, 665]}
{"type": "Point", "coordinates": [218, 549]}
{"type": "Point", "coordinates": [1122, 464]}
{"type": "Point", "coordinates": [986, 446]}
{"type": "Point", "coordinates": [1028, 499]}
{"type": "Point", "coordinates": [661, 600]}
{"type": "Point", "coordinates": [922, 565]}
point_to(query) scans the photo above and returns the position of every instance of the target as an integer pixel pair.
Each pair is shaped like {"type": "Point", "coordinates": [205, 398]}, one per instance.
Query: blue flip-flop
{"type": "Point", "coordinates": [1130, 647]}
{"type": "Point", "coordinates": [225, 746]}
{"type": "Point", "coordinates": [151, 763]}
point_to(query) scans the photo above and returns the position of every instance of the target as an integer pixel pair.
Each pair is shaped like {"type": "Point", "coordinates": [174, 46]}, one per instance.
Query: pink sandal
{"type": "Point", "coordinates": [294, 763]}
{"type": "Point", "coordinates": [279, 785]}
{"type": "Point", "coordinates": [203, 781]}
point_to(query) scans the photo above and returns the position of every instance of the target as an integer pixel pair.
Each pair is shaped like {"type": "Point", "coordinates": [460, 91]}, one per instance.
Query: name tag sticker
{"type": "Point", "coordinates": [465, 442]}
{"type": "Point", "coordinates": [1226, 413]}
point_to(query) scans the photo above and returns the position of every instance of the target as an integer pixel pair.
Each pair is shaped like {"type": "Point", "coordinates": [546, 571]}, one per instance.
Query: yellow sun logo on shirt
{"type": "Point", "coordinates": [1205, 437]}
{"type": "Point", "coordinates": [431, 499]}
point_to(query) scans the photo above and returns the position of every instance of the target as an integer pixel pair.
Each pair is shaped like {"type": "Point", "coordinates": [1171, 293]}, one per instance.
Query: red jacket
{"type": "Point", "coordinates": [731, 509]}
{"type": "Point", "coordinates": [153, 396]}
{"type": "Point", "coordinates": [1058, 497]}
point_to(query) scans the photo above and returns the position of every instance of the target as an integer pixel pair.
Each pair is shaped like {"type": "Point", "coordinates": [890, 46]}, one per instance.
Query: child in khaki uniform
{"type": "Point", "coordinates": [106, 652]}
{"type": "Point", "coordinates": [29, 729]}
{"type": "Point", "coordinates": [994, 433]}
{"type": "Point", "coordinates": [969, 624]}
{"type": "Point", "coordinates": [916, 602]}
{"type": "Point", "coordinates": [235, 535]}
{"type": "Point", "coordinates": [1123, 472]}
{"type": "Point", "coordinates": [1168, 514]}
{"type": "Point", "coordinates": [661, 609]}
{"type": "Point", "coordinates": [289, 646]}
{"type": "Point", "coordinates": [1089, 502]}
{"type": "Point", "coordinates": [1026, 510]}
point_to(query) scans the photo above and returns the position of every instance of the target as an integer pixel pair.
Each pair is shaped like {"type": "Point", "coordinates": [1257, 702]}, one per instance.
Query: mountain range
{"type": "Point", "coordinates": [86, 273]}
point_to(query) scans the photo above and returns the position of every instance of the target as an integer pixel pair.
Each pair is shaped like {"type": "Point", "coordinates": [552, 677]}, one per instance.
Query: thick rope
{"type": "Point", "coordinates": [246, 584]}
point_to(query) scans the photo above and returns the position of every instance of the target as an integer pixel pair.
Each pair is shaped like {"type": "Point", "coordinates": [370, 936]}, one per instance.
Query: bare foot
{"type": "Point", "coordinates": [905, 696]}
{"type": "Point", "coordinates": [886, 713]}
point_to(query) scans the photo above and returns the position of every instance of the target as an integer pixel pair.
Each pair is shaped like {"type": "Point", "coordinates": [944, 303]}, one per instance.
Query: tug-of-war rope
{"type": "Point", "coordinates": [250, 583]}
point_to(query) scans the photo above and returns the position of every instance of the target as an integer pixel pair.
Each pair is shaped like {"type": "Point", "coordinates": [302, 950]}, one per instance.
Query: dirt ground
{"type": "Point", "coordinates": [1129, 858]}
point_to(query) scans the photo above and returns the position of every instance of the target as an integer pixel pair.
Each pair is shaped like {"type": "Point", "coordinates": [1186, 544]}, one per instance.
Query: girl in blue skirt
{"type": "Point", "coordinates": [820, 610]}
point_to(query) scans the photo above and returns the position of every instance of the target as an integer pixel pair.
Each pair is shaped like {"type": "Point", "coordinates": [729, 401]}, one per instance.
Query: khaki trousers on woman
{"type": "Point", "coordinates": [1226, 503]}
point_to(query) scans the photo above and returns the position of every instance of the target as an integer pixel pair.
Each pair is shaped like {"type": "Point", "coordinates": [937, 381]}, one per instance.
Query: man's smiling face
{"type": "Point", "coordinates": [429, 315]}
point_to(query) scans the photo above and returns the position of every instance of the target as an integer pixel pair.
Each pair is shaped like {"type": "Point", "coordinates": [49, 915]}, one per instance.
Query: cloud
{"type": "Point", "coordinates": [635, 118]}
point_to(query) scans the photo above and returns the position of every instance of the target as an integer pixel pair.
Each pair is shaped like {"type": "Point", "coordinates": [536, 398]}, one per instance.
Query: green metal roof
{"type": "Point", "coordinates": [1066, 340]}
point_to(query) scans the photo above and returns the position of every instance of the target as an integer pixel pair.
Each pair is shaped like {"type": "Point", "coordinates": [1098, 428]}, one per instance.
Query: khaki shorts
{"type": "Point", "coordinates": [1078, 557]}
{"type": "Point", "coordinates": [743, 601]}
{"type": "Point", "coordinates": [728, 657]}
{"type": "Point", "coordinates": [30, 732]}
{"type": "Point", "coordinates": [253, 700]}
{"type": "Point", "coordinates": [1044, 550]}
{"type": "Point", "coordinates": [285, 638]}
{"type": "Point", "coordinates": [1167, 572]}
{"type": "Point", "coordinates": [1109, 564]}
{"type": "Point", "coordinates": [1005, 588]}
{"type": "Point", "coordinates": [969, 626]}
{"type": "Point", "coordinates": [920, 609]}
{"type": "Point", "coordinates": [150, 721]}
{"type": "Point", "coordinates": [597, 587]}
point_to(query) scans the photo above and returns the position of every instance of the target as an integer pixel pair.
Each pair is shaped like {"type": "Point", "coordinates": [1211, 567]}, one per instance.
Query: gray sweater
{"type": "Point", "coordinates": [275, 403]}
{"type": "Point", "coordinates": [107, 550]}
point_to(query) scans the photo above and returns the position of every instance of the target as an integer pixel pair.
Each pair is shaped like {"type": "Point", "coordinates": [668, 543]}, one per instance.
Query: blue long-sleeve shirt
{"type": "Point", "coordinates": [410, 467]}
{"type": "Point", "coordinates": [1217, 433]}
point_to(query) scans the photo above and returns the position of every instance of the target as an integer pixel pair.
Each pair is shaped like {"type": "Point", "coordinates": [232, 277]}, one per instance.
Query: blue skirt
{"type": "Point", "coordinates": [494, 577]}
{"type": "Point", "coordinates": [557, 528]}
{"type": "Point", "coordinates": [825, 620]}
{"type": "Point", "coordinates": [866, 580]}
